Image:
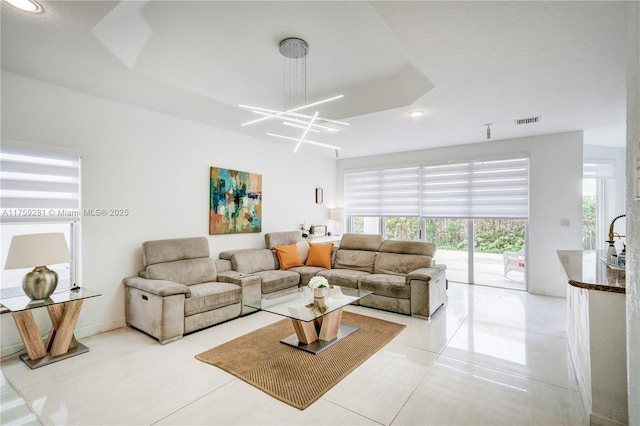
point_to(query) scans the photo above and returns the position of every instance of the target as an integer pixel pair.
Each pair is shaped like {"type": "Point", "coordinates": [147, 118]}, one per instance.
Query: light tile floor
{"type": "Point", "coordinates": [490, 356]}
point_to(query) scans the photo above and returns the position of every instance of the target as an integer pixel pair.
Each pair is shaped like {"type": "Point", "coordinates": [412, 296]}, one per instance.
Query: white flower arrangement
{"type": "Point", "coordinates": [318, 282]}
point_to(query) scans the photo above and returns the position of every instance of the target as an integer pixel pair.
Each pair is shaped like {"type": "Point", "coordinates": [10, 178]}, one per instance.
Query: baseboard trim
{"type": "Point", "coordinates": [103, 327]}
{"type": "Point", "coordinates": [598, 420]}
{"type": "Point", "coordinates": [80, 332]}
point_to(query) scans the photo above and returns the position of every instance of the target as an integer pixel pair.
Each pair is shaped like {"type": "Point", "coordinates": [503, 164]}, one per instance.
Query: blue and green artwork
{"type": "Point", "coordinates": [235, 202]}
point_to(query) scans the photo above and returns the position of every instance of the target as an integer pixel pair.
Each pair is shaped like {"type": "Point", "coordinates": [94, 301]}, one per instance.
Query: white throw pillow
{"type": "Point", "coordinates": [303, 250]}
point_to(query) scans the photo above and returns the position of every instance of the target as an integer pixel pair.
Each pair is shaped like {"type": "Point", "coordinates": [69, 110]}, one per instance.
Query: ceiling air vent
{"type": "Point", "coordinates": [528, 120]}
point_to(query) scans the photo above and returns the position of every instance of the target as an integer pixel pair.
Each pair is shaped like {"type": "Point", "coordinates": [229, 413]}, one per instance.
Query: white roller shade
{"type": "Point", "coordinates": [33, 182]}
{"type": "Point", "coordinates": [391, 192]}
{"type": "Point", "coordinates": [476, 189]}
{"type": "Point", "coordinates": [598, 170]}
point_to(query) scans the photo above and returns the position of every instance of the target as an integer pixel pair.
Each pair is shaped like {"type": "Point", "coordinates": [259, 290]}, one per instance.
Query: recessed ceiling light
{"type": "Point", "coordinates": [415, 113]}
{"type": "Point", "coordinates": [27, 5]}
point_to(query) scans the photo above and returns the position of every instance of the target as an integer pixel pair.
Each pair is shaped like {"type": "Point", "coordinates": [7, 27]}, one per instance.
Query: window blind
{"type": "Point", "coordinates": [390, 192]}
{"type": "Point", "coordinates": [39, 185]}
{"type": "Point", "coordinates": [598, 170]}
{"type": "Point", "coordinates": [476, 189]}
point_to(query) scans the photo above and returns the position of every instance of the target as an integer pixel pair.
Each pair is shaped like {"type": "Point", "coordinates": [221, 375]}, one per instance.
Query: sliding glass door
{"type": "Point", "coordinates": [475, 212]}
{"type": "Point", "coordinates": [452, 246]}
{"type": "Point", "coordinates": [499, 256]}
{"type": "Point", "coordinates": [480, 251]}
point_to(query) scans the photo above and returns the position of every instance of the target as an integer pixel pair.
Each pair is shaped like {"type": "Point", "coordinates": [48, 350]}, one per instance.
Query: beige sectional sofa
{"type": "Point", "coordinates": [182, 289]}
{"type": "Point", "coordinates": [402, 274]}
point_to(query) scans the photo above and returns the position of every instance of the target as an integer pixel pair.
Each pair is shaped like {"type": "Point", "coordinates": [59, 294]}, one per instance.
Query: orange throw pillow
{"type": "Point", "coordinates": [288, 256]}
{"type": "Point", "coordinates": [320, 255]}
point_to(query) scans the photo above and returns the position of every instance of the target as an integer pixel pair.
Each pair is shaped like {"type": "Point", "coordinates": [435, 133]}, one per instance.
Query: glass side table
{"type": "Point", "coordinates": [64, 309]}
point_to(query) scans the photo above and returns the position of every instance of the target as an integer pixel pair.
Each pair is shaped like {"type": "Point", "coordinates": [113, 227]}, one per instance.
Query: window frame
{"type": "Point", "coordinates": [68, 212]}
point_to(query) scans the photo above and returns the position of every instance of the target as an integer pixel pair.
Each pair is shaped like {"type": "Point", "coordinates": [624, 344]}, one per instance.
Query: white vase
{"type": "Point", "coordinates": [320, 296]}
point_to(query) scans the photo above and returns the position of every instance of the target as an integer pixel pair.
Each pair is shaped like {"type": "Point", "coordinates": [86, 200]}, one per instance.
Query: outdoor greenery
{"type": "Point", "coordinates": [447, 234]}
{"type": "Point", "coordinates": [402, 228]}
{"type": "Point", "coordinates": [491, 235]}
{"type": "Point", "coordinates": [589, 223]}
{"type": "Point", "coordinates": [358, 225]}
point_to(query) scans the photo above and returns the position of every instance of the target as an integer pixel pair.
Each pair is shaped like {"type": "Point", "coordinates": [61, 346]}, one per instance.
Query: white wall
{"type": "Point", "coordinates": [555, 194]}
{"type": "Point", "coordinates": [633, 214]}
{"type": "Point", "coordinates": [156, 166]}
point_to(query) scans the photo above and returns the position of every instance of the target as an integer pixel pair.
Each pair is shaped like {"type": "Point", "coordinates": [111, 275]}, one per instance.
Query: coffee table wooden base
{"type": "Point", "coordinates": [316, 336]}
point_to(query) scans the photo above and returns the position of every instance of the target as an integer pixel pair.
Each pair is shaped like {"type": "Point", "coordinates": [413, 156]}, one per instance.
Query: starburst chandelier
{"type": "Point", "coordinates": [294, 115]}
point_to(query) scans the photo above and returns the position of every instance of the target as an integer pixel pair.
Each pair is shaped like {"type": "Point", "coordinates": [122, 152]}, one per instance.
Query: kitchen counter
{"type": "Point", "coordinates": [586, 269]}
{"type": "Point", "coordinates": [596, 334]}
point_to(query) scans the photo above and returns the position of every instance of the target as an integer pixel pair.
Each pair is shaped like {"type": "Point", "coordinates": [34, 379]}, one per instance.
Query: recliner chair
{"type": "Point", "coordinates": [178, 291]}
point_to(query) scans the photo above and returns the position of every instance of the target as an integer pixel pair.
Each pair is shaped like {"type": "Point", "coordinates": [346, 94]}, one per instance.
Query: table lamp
{"type": "Point", "coordinates": [336, 213]}
{"type": "Point", "coordinates": [38, 250]}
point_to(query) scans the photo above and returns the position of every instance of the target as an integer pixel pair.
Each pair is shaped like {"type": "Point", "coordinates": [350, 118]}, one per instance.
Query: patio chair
{"type": "Point", "coordinates": [513, 261]}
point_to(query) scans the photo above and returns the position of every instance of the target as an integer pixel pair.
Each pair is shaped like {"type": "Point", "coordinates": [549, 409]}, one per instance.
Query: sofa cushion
{"type": "Point", "coordinates": [357, 260]}
{"type": "Point", "coordinates": [400, 264]}
{"type": "Point", "coordinates": [275, 280]}
{"type": "Point", "coordinates": [160, 251]}
{"type": "Point", "coordinates": [288, 256]}
{"type": "Point", "coordinates": [392, 304]}
{"type": "Point", "coordinates": [343, 277]}
{"type": "Point", "coordinates": [307, 272]}
{"type": "Point", "coordinates": [408, 247]}
{"type": "Point", "coordinates": [386, 285]}
{"type": "Point", "coordinates": [254, 260]}
{"type": "Point", "coordinates": [367, 242]}
{"type": "Point", "coordinates": [320, 255]}
{"type": "Point", "coordinates": [228, 254]}
{"type": "Point", "coordinates": [273, 239]}
{"type": "Point", "coordinates": [208, 296]}
{"type": "Point", "coordinates": [191, 271]}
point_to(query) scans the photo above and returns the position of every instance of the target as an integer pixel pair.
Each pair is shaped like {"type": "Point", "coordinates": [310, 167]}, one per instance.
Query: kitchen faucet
{"type": "Point", "coordinates": [611, 233]}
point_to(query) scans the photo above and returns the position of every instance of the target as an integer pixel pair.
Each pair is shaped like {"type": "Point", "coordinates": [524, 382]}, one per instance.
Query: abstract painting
{"type": "Point", "coordinates": [235, 202]}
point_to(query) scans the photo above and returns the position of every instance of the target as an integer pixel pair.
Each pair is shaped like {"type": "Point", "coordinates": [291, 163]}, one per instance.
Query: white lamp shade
{"type": "Point", "coordinates": [336, 213]}
{"type": "Point", "coordinates": [28, 251]}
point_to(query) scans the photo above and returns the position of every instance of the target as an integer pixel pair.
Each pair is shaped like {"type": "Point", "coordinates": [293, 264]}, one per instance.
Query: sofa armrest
{"type": "Point", "coordinates": [251, 287]}
{"type": "Point", "coordinates": [160, 288]}
{"type": "Point", "coordinates": [238, 278]}
{"type": "Point", "coordinates": [428, 290]}
{"type": "Point", "coordinates": [425, 274]}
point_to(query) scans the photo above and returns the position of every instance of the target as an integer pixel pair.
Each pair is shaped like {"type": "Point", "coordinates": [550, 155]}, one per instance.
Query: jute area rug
{"type": "Point", "coordinates": [291, 375]}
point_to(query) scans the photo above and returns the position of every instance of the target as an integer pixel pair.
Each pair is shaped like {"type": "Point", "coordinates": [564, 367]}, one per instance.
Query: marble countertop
{"type": "Point", "coordinates": [585, 269]}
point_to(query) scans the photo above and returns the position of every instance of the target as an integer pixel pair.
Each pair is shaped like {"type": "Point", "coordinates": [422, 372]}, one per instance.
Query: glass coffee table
{"type": "Point", "coordinates": [316, 328]}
